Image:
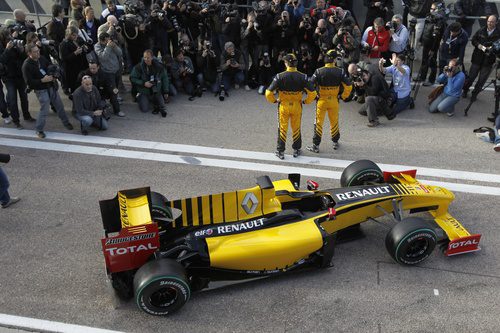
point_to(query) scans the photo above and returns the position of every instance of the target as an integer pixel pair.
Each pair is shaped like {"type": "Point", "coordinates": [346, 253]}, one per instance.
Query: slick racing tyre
{"type": "Point", "coordinates": [361, 172]}
{"type": "Point", "coordinates": [159, 206]}
{"type": "Point", "coordinates": [411, 241]}
{"type": "Point", "coordinates": [161, 287]}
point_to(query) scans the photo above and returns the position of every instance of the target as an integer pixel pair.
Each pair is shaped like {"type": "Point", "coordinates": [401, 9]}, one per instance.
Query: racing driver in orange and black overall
{"type": "Point", "coordinates": [329, 80]}
{"type": "Point", "coordinates": [290, 85]}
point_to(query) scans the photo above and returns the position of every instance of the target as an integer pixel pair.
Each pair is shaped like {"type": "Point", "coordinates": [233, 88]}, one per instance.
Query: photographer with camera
{"type": "Point", "coordinates": [5, 199]}
{"type": "Point", "coordinates": [323, 35]}
{"type": "Point", "coordinates": [348, 39]}
{"type": "Point", "coordinates": [266, 72]}
{"type": "Point", "coordinates": [109, 55]}
{"type": "Point", "coordinates": [483, 58]}
{"type": "Point", "coordinates": [232, 67]}
{"type": "Point", "coordinates": [331, 84]}
{"type": "Point", "coordinates": [453, 80]}
{"type": "Point", "coordinates": [12, 56]}
{"type": "Point", "coordinates": [231, 28]}
{"type": "Point", "coordinates": [150, 80]}
{"type": "Point", "coordinates": [307, 63]}
{"type": "Point", "coordinates": [377, 94]}
{"type": "Point", "coordinates": [356, 73]}
{"type": "Point", "coordinates": [376, 9]}
{"type": "Point", "coordinates": [159, 25]}
{"type": "Point", "coordinates": [22, 25]}
{"type": "Point", "coordinates": [41, 77]}
{"type": "Point", "coordinates": [400, 98]}
{"type": "Point", "coordinates": [453, 45]}
{"type": "Point", "coordinates": [305, 31]}
{"type": "Point", "coordinates": [399, 36]}
{"type": "Point", "coordinates": [73, 58]}
{"type": "Point", "coordinates": [88, 107]}
{"type": "Point", "coordinates": [321, 10]}
{"type": "Point", "coordinates": [435, 24]}
{"type": "Point", "coordinates": [290, 86]}
{"type": "Point", "coordinates": [207, 62]}
{"type": "Point", "coordinates": [376, 40]}
{"type": "Point", "coordinates": [283, 34]}
{"type": "Point", "coordinates": [106, 88]}
{"type": "Point", "coordinates": [183, 73]}
{"type": "Point", "coordinates": [418, 10]}
{"type": "Point", "coordinates": [57, 26]}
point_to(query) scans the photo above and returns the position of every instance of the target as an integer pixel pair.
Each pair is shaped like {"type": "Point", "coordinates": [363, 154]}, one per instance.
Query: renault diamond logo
{"type": "Point", "coordinates": [249, 203]}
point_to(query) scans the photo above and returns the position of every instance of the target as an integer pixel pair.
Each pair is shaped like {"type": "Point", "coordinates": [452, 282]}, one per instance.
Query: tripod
{"type": "Point", "coordinates": [497, 90]}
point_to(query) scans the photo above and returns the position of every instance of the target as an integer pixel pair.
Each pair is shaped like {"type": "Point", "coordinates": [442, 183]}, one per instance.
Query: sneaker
{"type": "Point", "coordinates": [314, 148]}
{"type": "Point", "coordinates": [236, 86]}
{"type": "Point", "coordinates": [485, 136]}
{"type": "Point", "coordinates": [450, 114]}
{"type": "Point", "coordinates": [247, 88]}
{"type": "Point", "coordinates": [373, 123]}
{"type": "Point", "coordinates": [7, 120]}
{"type": "Point", "coordinates": [296, 152]}
{"type": "Point", "coordinates": [120, 114]}
{"type": "Point", "coordinates": [85, 132]}
{"type": "Point", "coordinates": [335, 145]}
{"type": "Point", "coordinates": [497, 147]}
{"type": "Point", "coordinates": [41, 134]}
{"type": "Point", "coordinates": [280, 155]}
{"type": "Point", "coordinates": [30, 119]}
{"type": "Point", "coordinates": [12, 201]}
{"type": "Point", "coordinates": [19, 126]}
{"type": "Point", "coordinates": [427, 83]}
{"type": "Point", "coordinates": [68, 126]}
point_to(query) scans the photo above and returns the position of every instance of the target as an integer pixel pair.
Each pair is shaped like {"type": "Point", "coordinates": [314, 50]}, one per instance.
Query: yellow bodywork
{"type": "Point", "coordinates": [266, 249]}
{"type": "Point", "coordinates": [134, 211]}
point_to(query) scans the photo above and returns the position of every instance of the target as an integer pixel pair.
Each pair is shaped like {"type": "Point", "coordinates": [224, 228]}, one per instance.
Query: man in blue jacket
{"type": "Point", "coordinates": [453, 78]}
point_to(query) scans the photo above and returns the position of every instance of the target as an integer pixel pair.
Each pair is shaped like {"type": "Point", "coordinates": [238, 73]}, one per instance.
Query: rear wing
{"type": "Point", "coordinates": [130, 235]}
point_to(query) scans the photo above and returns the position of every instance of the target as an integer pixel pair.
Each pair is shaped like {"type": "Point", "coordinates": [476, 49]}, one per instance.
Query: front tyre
{"type": "Point", "coordinates": [411, 241]}
{"type": "Point", "coordinates": [161, 287]}
{"type": "Point", "coordinates": [361, 172]}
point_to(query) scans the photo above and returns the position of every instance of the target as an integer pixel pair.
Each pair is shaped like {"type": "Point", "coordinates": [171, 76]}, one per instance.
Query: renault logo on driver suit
{"type": "Point", "coordinates": [249, 198]}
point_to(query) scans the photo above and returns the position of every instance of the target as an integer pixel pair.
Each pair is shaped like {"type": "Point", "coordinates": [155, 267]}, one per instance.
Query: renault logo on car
{"type": "Point", "coordinates": [249, 203]}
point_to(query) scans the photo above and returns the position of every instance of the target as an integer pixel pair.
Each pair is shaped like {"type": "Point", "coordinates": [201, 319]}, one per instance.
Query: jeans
{"type": "Point", "coordinates": [444, 103]}
{"type": "Point", "coordinates": [228, 77]}
{"type": "Point", "coordinates": [96, 121]}
{"type": "Point", "coordinates": [46, 98]}
{"type": "Point", "coordinates": [214, 86]}
{"type": "Point", "coordinates": [4, 186]}
{"type": "Point", "coordinates": [13, 88]}
{"type": "Point", "coordinates": [146, 100]}
{"type": "Point", "coordinates": [401, 104]}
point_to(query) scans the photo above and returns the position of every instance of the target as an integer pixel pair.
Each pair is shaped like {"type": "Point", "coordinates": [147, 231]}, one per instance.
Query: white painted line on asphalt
{"type": "Point", "coordinates": [39, 325]}
{"type": "Point", "coordinates": [243, 154]}
{"type": "Point", "coordinates": [436, 292]}
{"type": "Point", "coordinates": [229, 164]}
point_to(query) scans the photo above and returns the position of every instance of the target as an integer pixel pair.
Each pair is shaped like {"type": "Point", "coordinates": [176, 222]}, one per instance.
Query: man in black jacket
{"type": "Point", "coordinates": [377, 93]}
{"type": "Point", "coordinates": [12, 58]}
{"type": "Point", "coordinates": [453, 44]}
{"type": "Point", "coordinates": [482, 59]}
{"type": "Point", "coordinates": [39, 78]}
{"type": "Point", "coordinates": [57, 26]}
{"type": "Point", "coordinates": [465, 8]}
{"type": "Point", "coordinates": [88, 106]}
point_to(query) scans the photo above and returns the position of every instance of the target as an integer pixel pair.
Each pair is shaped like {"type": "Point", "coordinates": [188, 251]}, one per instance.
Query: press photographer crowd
{"type": "Point", "coordinates": [291, 51]}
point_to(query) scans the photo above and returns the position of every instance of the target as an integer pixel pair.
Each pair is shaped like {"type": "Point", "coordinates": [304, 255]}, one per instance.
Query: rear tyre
{"type": "Point", "coordinates": [361, 172]}
{"type": "Point", "coordinates": [161, 287]}
{"type": "Point", "coordinates": [411, 241]}
{"type": "Point", "coordinates": [159, 206]}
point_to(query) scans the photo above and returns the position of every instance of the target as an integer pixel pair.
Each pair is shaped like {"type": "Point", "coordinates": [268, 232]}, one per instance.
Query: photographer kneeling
{"type": "Point", "coordinates": [88, 107]}
{"type": "Point", "coordinates": [453, 78]}
{"type": "Point", "coordinates": [150, 79]}
{"type": "Point", "coordinates": [400, 98]}
{"type": "Point", "coordinates": [232, 67]}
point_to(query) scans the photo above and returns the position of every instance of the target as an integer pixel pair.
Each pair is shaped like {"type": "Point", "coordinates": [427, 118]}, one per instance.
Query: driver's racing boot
{"type": "Point", "coordinates": [314, 148]}
{"type": "Point", "coordinates": [280, 154]}
{"type": "Point", "coordinates": [296, 152]}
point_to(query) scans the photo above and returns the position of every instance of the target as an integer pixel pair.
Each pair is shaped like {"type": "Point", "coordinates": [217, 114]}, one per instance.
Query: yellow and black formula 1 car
{"type": "Point", "coordinates": [159, 258]}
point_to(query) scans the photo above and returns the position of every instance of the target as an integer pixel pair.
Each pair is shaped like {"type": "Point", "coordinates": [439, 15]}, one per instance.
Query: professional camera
{"type": "Point", "coordinates": [307, 20]}
{"type": "Point", "coordinates": [391, 25]}
{"type": "Point", "coordinates": [54, 70]}
{"type": "Point", "coordinates": [447, 69]}
{"type": "Point", "coordinates": [366, 49]}
{"type": "Point", "coordinates": [106, 112]}
{"type": "Point", "coordinates": [158, 13]}
{"type": "Point", "coordinates": [175, 23]}
{"type": "Point", "coordinates": [20, 32]}
{"type": "Point", "coordinates": [17, 42]}
{"type": "Point", "coordinates": [188, 69]}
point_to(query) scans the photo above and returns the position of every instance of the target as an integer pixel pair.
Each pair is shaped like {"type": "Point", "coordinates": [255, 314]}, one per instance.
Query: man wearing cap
{"type": "Point", "coordinates": [290, 85]}
{"type": "Point", "coordinates": [328, 81]}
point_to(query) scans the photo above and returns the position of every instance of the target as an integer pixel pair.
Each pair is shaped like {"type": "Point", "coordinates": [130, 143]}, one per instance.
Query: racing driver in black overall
{"type": "Point", "coordinates": [290, 85]}
{"type": "Point", "coordinates": [329, 81]}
